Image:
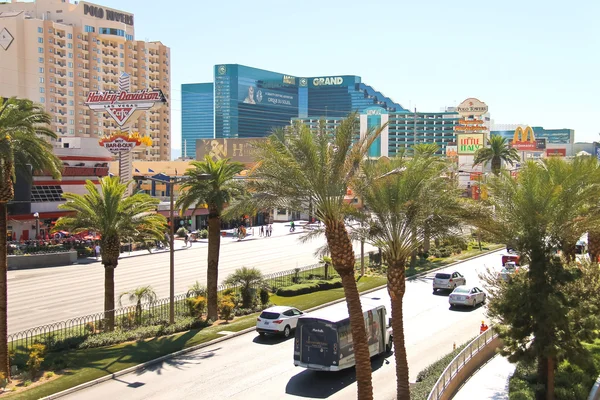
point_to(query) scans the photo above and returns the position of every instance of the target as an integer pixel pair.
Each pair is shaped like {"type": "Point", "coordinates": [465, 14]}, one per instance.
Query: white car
{"type": "Point", "coordinates": [445, 280]}
{"type": "Point", "coordinates": [278, 320]}
{"type": "Point", "coordinates": [466, 296]}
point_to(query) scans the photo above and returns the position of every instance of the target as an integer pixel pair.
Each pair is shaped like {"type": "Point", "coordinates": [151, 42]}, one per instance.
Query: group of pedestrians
{"type": "Point", "coordinates": [266, 231]}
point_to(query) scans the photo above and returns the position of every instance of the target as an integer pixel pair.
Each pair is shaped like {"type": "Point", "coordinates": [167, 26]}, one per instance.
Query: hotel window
{"type": "Point", "coordinates": [50, 30]}
{"type": "Point", "coordinates": [70, 55]}
{"type": "Point", "coordinates": [41, 70]}
{"type": "Point", "coordinates": [42, 90]}
{"type": "Point", "coordinates": [70, 102]}
{"type": "Point", "coordinates": [40, 30]}
{"type": "Point", "coordinates": [42, 99]}
{"type": "Point", "coordinates": [70, 64]}
{"type": "Point", "coordinates": [69, 36]}
{"type": "Point", "coordinates": [50, 50]}
{"type": "Point", "coordinates": [40, 49]}
{"type": "Point", "coordinates": [41, 59]}
{"type": "Point", "coordinates": [70, 74]}
{"type": "Point", "coordinates": [88, 29]}
{"type": "Point", "coordinates": [70, 45]}
{"type": "Point", "coordinates": [41, 80]}
{"type": "Point", "coordinates": [70, 83]}
{"type": "Point", "coordinates": [40, 40]}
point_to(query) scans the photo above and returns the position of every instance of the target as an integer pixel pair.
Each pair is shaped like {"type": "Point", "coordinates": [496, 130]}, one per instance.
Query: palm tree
{"type": "Point", "coordinates": [399, 194]}
{"type": "Point", "coordinates": [297, 167]}
{"type": "Point", "coordinates": [23, 142]}
{"type": "Point", "coordinates": [114, 217]}
{"type": "Point", "coordinates": [548, 207]}
{"type": "Point", "coordinates": [498, 151]}
{"type": "Point", "coordinates": [137, 296]}
{"type": "Point", "coordinates": [248, 279]}
{"type": "Point", "coordinates": [212, 183]}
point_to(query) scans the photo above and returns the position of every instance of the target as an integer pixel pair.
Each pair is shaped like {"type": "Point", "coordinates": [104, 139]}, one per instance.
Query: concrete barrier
{"type": "Point", "coordinates": [42, 260]}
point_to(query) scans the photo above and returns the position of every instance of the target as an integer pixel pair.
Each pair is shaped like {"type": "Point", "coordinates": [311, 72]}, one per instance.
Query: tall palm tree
{"type": "Point", "coordinates": [497, 152]}
{"type": "Point", "coordinates": [297, 167]}
{"type": "Point", "coordinates": [212, 183]}
{"type": "Point", "coordinates": [548, 207]}
{"type": "Point", "coordinates": [137, 296]}
{"type": "Point", "coordinates": [114, 217]}
{"type": "Point", "coordinates": [399, 194]}
{"type": "Point", "coordinates": [24, 135]}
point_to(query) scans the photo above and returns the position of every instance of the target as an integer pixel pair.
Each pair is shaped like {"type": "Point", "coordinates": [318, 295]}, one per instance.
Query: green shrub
{"type": "Point", "coordinates": [225, 307]}
{"type": "Point", "coordinates": [429, 376]}
{"type": "Point", "coordinates": [196, 306]}
{"type": "Point", "coordinates": [36, 357]}
{"type": "Point", "coordinates": [49, 374]}
{"type": "Point", "coordinates": [203, 234]}
{"type": "Point", "coordinates": [309, 287]}
{"type": "Point", "coordinates": [264, 296]}
{"type": "Point", "coordinates": [181, 232]}
{"type": "Point", "coordinates": [27, 383]}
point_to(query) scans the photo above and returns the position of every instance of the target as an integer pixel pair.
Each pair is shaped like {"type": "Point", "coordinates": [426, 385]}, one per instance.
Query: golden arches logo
{"type": "Point", "coordinates": [524, 135]}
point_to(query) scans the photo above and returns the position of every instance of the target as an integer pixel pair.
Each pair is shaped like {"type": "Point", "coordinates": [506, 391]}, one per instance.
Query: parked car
{"type": "Point", "coordinates": [444, 280]}
{"type": "Point", "coordinates": [280, 320]}
{"type": "Point", "coordinates": [466, 296]}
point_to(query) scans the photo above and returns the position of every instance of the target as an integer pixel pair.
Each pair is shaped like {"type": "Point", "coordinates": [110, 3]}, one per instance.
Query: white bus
{"type": "Point", "coordinates": [323, 339]}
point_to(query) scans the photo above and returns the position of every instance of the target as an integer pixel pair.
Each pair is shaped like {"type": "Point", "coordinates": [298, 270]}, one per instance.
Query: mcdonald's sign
{"type": "Point", "coordinates": [524, 139]}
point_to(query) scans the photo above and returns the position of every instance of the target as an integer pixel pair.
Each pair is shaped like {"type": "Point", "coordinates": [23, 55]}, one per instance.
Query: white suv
{"type": "Point", "coordinates": [448, 281]}
{"type": "Point", "coordinates": [278, 320]}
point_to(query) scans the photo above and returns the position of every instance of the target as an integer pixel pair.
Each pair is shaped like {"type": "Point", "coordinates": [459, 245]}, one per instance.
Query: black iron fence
{"type": "Point", "coordinates": [70, 332]}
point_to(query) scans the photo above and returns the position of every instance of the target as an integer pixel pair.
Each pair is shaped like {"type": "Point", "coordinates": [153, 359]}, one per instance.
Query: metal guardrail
{"type": "Point", "coordinates": [459, 362]}
{"type": "Point", "coordinates": [130, 317]}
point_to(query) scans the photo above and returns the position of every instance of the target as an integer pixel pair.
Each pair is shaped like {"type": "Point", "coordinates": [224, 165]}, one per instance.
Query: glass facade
{"type": "Point", "coordinates": [250, 102]}
{"type": "Point", "coordinates": [196, 116]}
{"type": "Point", "coordinates": [552, 136]}
{"type": "Point", "coordinates": [407, 129]}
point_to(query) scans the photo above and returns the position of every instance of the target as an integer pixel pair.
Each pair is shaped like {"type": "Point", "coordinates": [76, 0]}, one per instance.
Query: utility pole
{"type": "Point", "coordinates": [172, 253]}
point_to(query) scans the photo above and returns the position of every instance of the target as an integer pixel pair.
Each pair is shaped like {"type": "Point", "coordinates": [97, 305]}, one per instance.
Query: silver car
{"type": "Point", "coordinates": [466, 296]}
{"type": "Point", "coordinates": [445, 280]}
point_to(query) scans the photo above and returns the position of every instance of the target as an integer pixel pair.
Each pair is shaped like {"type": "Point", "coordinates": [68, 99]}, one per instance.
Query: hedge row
{"type": "Point", "coordinates": [309, 287]}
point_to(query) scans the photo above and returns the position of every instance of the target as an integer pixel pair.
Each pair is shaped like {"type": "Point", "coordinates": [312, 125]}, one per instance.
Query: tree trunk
{"type": "Point", "coordinates": [396, 289]}
{"type": "Point", "coordinates": [426, 240]}
{"type": "Point", "coordinates": [550, 374]}
{"type": "Point", "coordinates": [496, 165]}
{"type": "Point", "coordinates": [594, 245]}
{"type": "Point", "coordinates": [110, 249]}
{"type": "Point", "coordinates": [4, 359]}
{"type": "Point", "coordinates": [362, 258]}
{"type": "Point", "coordinates": [542, 377]}
{"type": "Point", "coordinates": [109, 296]}
{"type": "Point", "coordinates": [212, 271]}
{"type": "Point", "coordinates": [342, 256]}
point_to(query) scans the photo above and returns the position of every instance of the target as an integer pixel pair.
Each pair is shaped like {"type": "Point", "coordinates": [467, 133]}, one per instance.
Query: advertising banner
{"type": "Point", "coordinates": [472, 107]}
{"type": "Point", "coordinates": [249, 94]}
{"type": "Point", "coordinates": [524, 140]}
{"type": "Point", "coordinates": [469, 143]}
{"type": "Point", "coordinates": [556, 152]}
{"type": "Point", "coordinates": [451, 151]}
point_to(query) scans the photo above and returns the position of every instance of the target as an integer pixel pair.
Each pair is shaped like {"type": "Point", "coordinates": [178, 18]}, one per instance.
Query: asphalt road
{"type": "Point", "coordinates": [250, 367]}
{"type": "Point", "coordinates": [47, 295]}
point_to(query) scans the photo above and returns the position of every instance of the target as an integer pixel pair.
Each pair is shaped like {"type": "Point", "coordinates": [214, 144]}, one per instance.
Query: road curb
{"type": "Point", "coordinates": [233, 335]}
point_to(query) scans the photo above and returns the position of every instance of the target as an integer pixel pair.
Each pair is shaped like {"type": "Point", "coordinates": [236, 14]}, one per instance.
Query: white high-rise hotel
{"type": "Point", "coordinates": [54, 52]}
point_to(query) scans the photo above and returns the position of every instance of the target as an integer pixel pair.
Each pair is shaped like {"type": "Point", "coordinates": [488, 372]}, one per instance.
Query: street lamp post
{"type": "Point", "coordinates": [36, 215]}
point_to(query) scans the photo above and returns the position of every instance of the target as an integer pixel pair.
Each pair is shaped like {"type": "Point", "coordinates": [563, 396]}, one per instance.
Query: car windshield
{"type": "Point", "coordinates": [461, 290]}
{"type": "Point", "coordinates": [269, 315]}
{"type": "Point", "coordinates": [442, 276]}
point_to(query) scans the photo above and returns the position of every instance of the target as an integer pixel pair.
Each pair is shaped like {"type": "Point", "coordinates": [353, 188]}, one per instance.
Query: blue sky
{"type": "Point", "coordinates": [533, 62]}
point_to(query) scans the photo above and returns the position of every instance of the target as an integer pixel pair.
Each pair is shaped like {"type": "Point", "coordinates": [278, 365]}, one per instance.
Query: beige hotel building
{"type": "Point", "coordinates": [55, 51]}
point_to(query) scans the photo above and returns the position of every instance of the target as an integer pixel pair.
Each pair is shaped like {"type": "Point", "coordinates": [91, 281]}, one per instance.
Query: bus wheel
{"type": "Point", "coordinates": [286, 331]}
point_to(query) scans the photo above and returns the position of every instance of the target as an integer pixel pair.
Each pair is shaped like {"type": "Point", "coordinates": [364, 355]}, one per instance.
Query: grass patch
{"type": "Point", "coordinates": [432, 263]}
{"type": "Point", "coordinates": [89, 364]}
{"type": "Point", "coordinates": [429, 376]}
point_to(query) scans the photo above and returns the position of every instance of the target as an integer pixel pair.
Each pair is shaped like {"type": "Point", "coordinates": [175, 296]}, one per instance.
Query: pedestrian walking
{"type": "Point", "coordinates": [97, 249]}
{"type": "Point", "coordinates": [262, 230]}
{"type": "Point", "coordinates": [270, 230]}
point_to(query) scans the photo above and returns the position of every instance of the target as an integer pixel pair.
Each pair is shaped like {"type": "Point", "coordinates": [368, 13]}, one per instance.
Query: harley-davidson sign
{"type": "Point", "coordinates": [121, 104]}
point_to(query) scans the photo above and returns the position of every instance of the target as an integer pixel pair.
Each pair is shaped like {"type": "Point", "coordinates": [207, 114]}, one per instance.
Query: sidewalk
{"type": "Point", "coordinates": [489, 382]}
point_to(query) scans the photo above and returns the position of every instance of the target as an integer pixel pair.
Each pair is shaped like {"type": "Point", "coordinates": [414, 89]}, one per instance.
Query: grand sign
{"type": "Point", "coordinates": [121, 104]}
{"type": "Point", "coordinates": [329, 81]}
{"type": "Point", "coordinates": [472, 106]}
{"type": "Point", "coordinates": [469, 143]}
{"type": "Point", "coordinates": [110, 15]}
